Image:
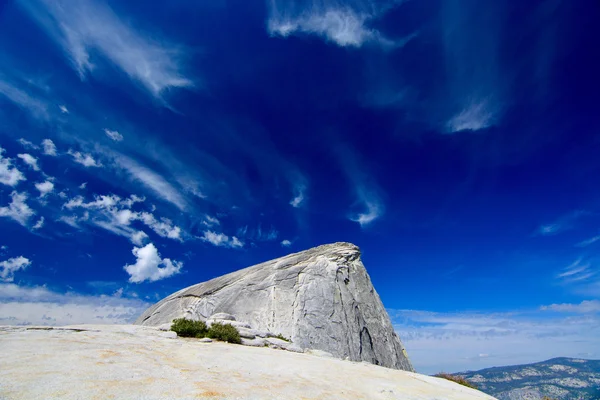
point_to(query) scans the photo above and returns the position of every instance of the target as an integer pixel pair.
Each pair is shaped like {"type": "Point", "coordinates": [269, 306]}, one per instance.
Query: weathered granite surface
{"type": "Point", "coordinates": [99, 362]}
{"type": "Point", "coordinates": [321, 298]}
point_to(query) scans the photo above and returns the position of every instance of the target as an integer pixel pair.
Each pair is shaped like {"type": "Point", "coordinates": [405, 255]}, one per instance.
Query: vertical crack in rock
{"type": "Point", "coordinates": [321, 298]}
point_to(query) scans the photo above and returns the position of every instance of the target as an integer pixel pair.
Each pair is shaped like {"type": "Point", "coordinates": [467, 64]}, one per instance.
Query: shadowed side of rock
{"type": "Point", "coordinates": [321, 298]}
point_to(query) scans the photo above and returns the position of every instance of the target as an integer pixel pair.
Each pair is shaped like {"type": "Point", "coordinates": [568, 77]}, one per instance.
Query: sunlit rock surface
{"type": "Point", "coordinates": [320, 299]}
{"type": "Point", "coordinates": [99, 362]}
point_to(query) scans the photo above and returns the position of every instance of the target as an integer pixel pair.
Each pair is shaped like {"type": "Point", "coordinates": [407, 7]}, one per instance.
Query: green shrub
{"type": "Point", "coordinates": [188, 328]}
{"type": "Point", "coordinates": [224, 332]}
{"type": "Point", "coordinates": [458, 379]}
{"type": "Point", "coordinates": [280, 336]}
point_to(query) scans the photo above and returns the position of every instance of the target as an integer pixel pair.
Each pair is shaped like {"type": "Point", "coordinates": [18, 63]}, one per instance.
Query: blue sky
{"type": "Point", "coordinates": [456, 142]}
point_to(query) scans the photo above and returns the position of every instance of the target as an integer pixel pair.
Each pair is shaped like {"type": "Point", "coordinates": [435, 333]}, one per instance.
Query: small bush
{"type": "Point", "coordinates": [280, 336]}
{"type": "Point", "coordinates": [458, 379]}
{"type": "Point", "coordinates": [224, 332]}
{"type": "Point", "coordinates": [188, 328]}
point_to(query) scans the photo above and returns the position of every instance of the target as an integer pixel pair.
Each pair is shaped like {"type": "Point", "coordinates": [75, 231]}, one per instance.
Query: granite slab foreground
{"type": "Point", "coordinates": [137, 362]}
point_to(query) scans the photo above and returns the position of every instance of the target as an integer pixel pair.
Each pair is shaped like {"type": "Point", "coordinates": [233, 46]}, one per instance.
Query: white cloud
{"type": "Point", "coordinates": [27, 144]}
{"type": "Point", "coordinates": [578, 271]}
{"type": "Point", "coordinates": [12, 265]}
{"type": "Point", "coordinates": [286, 243]}
{"type": "Point", "coordinates": [113, 214]}
{"type": "Point", "coordinates": [69, 220]}
{"type": "Point", "coordinates": [49, 147]}
{"type": "Point", "coordinates": [298, 199]}
{"type": "Point", "coordinates": [159, 185]}
{"type": "Point", "coordinates": [17, 209]}
{"type": "Point", "coordinates": [258, 234]}
{"type": "Point", "coordinates": [221, 240]}
{"type": "Point", "coordinates": [138, 238]}
{"type": "Point", "coordinates": [39, 224]}
{"type": "Point", "coordinates": [164, 227]}
{"type": "Point", "coordinates": [63, 109]}
{"type": "Point", "coordinates": [367, 192]}
{"type": "Point", "coordinates": [343, 25]}
{"type": "Point", "coordinates": [475, 116]}
{"type": "Point", "coordinates": [100, 202]}
{"type": "Point", "coordinates": [131, 200]}
{"type": "Point", "coordinates": [88, 28]}
{"type": "Point", "coordinates": [84, 159]}
{"type": "Point", "coordinates": [44, 187]}
{"type": "Point", "coordinates": [9, 175]}
{"type": "Point", "coordinates": [148, 265]}
{"type": "Point", "coordinates": [83, 185]}
{"type": "Point", "coordinates": [454, 342]}
{"type": "Point", "coordinates": [564, 223]}
{"type": "Point", "coordinates": [585, 307]}
{"type": "Point", "coordinates": [36, 107]}
{"type": "Point", "coordinates": [373, 209]}
{"type": "Point", "coordinates": [40, 306]}
{"type": "Point", "coordinates": [114, 135]}
{"type": "Point", "coordinates": [589, 241]}
{"type": "Point", "coordinates": [210, 221]}
{"type": "Point", "coordinates": [29, 160]}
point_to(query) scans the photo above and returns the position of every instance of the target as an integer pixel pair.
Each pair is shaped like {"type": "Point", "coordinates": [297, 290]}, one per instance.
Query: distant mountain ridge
{"type": "Point", "coordinates": [558, 378]}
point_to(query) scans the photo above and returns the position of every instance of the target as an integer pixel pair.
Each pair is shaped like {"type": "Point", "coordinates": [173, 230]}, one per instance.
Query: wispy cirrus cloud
{"type": "Point", "coordinates": [587, 242]}
{"type": "Point", "coordinates": [346, 25]}
{"type": "Point", "coordinates": [581, 276]}
{"type": "Point", "coordinates": [299, 195]}
{"type": "Point", "coordinates": [476, 82]}
{"type": "Point", "coordinates": [579, 270]}
{"type": "Point", "coordinates": [368, 201]}
{"type": "Point", "coordinates": [24, 100]}
{"type": "Point", "coordinates": [258, 234]}
{"type": "Point", "coordinates": [373, 206]}
{"type": "Point", "coordinates": [151, 180]}
{"type": "Point", "coordinates": [564, 223]}
{"type": "Point", "coordinates": [85, 28]}
{"type": "Point", "coordinates": [459, 341]}
{"type": "Point", "coordinates": [480, 114]}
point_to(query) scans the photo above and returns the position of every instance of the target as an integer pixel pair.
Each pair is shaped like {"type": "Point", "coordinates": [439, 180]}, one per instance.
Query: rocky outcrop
{"type": "Point", "coordinates": [320, 299]}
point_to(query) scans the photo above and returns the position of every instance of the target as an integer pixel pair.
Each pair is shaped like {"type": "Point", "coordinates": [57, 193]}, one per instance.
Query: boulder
{"type": "Point", "coordinates": [257, 342]}
{"type": "Point", "coordinates": [321, 298]}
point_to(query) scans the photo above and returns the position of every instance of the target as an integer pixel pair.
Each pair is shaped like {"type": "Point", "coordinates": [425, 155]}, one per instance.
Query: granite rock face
{"type": "Point", "coordinates": [320, 299]}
